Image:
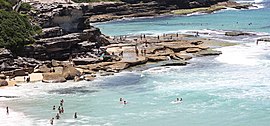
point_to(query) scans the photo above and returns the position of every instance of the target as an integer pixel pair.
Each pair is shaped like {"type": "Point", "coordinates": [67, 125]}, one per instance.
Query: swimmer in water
{"type": "Point", "coordinates": [125, 102]}
{"type": "Point", "coordinates": [54, 107]}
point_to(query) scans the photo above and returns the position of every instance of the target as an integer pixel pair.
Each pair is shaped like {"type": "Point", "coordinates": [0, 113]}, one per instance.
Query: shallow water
{"type": "Point", "coordinates": [231, 89]}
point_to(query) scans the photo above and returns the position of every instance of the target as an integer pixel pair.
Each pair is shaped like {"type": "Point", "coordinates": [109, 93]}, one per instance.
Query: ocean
{"type": "Point", "coordinates": [231, 89]}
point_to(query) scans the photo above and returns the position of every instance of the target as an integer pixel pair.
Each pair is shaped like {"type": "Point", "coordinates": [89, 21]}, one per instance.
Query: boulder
{"type": "Point", "coordinates": [236, 33]}
{"type": "Point", "coordinates": [69, 72]}
{"type": "Point", "coordinates": [20, 72]}
{"type": "Point", "coordinates": [42, 69]}
{"type": "Point", "coordinates": [175, 63]}
{"type": "Point", "coordinates": [89, 78]}
{"type": "Point", "coordinates": [56, 63]}
{"type": "Point", "coordinates": [77, 79]}
{"type": "Point", "coordinates": [193, 50]}
{"type": "Point", "coordinates": [53, 78]}
{"type": "Point", "coordinates": [183, 56]}
{"type": "Point", "coordinates": [3, 76]}
{"type": "Point", "coordinates": [3, 83]}
{"type": "Point", "coordinates": [5, 53]}
{"type": "Point", "coordinates": [119, 66]}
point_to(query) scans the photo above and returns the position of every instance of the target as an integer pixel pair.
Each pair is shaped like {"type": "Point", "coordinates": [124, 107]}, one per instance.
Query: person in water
{"type": "Point", "coordinates": [54, 107]}
{"type": "Point", "coordinates": [57, 116]}
{"type": "Point", "coordinates": [125, 102]}
{"type": "Point", "coordinates": [52, 121]}
{"type": "Point", "coordinates": [177, 99]}
{"type": "Point", "coordinates": [62, 109]}
{"type": "Point", "coordinates": [75, 115]}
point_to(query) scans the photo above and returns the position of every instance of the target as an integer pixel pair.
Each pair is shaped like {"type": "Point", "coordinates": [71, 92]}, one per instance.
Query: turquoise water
{"type": "Point", "coordinates": [232, 89]}
{"type": "Point", "coordinates": [222, 20]}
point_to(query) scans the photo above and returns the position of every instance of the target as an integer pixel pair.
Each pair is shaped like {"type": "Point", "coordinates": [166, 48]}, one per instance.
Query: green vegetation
{"type": "Point", "coordinates": [89, 1]}
{"type": "Point", "coordinates": [5, 5]}
{"type": "Point", "coordinates": [202, 9]}
{"type": "Point", "coordinates": [25, 7]}
{"type": "Point", "coordinates": [15, 30]}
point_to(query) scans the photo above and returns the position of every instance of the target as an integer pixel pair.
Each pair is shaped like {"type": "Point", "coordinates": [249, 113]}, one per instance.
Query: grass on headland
{"type": "Point", "coordinates": [90, 1]}
{"type": "Point", "coordinates": [202, 10]}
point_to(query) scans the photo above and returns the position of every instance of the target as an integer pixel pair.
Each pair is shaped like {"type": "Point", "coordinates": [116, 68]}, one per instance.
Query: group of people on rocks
{"type": "Point", "coordinates": [26, 79]}
{"type": "Point", "coordinates": [60, 111]}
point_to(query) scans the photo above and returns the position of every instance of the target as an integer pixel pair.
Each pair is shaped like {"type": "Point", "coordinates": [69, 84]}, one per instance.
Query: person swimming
{"type": "Point", "coordinates": [125, 102]}
{"type": "Point", "coordinates": [54, 107]}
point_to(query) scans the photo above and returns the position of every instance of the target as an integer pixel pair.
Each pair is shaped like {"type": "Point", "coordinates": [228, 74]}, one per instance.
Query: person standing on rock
{"type": "Point", "coordinates": [136, 50]}
{"type": "Point", "coordinates": [28, 79]}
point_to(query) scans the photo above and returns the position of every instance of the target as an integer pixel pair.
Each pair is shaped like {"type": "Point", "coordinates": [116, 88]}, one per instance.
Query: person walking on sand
{"type": "Point", "coordinates": [7, 111]}
{"type": "Point", "coordinates": [75, 115]}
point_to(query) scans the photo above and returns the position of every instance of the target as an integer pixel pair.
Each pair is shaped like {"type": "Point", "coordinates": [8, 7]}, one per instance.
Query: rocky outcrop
{"type": "Point", "coordinates": [175, 63]}
{"type": "Point", "coordinates": [69, 72]}
{"type": "Point", "coordinates": [53, 78]}
{"type": "Point", "coordinates": [237, 33]}
{"type": "Point", "coordinates": [264, 39]}
{"type": "Point", "coordinates": [208, 52]}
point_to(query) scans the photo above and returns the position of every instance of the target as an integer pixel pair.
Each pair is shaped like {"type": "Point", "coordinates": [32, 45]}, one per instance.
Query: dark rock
{"type": "Point", "coordinates": [51, 32]}
{"type": "Point", "coordinates": [20, 72]}
{"type": "Point", "coordinates": [237, 33]}
{"type": "Point", "coordinates": [175, 63]}
{"type": "Point", "coordinates": [3, 83]}
{"type": "Point", "coordinates": [85, 61]}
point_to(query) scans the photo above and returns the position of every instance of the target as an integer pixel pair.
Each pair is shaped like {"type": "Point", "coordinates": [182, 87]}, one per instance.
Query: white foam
{"type": "Point", "coordinates": [14, 118]}
{"type": "Point", "coordinates": [247, 54]}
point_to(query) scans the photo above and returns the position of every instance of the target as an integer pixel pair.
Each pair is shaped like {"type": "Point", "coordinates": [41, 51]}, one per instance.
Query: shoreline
{"type": "Point", "coordinates": [103, 18]}
{"type": "Point", "coordinates": [61, 71]}
{"type": "Point", "coordinates": [127, 62]}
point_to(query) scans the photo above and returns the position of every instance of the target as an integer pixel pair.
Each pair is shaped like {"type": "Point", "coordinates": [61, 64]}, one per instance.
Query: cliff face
{"type": "Point", "coordinates": [180, 3]}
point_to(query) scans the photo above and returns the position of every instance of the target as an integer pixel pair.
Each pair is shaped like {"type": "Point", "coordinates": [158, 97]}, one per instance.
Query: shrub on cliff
{"type": "Point", "coordinates": [5, 5]}
{"type": "Point", "coordinates": [15, 30]}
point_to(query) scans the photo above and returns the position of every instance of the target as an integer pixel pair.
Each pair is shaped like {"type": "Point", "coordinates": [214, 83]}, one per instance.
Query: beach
{"type": "Point", "coordinates": [228, 88]}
